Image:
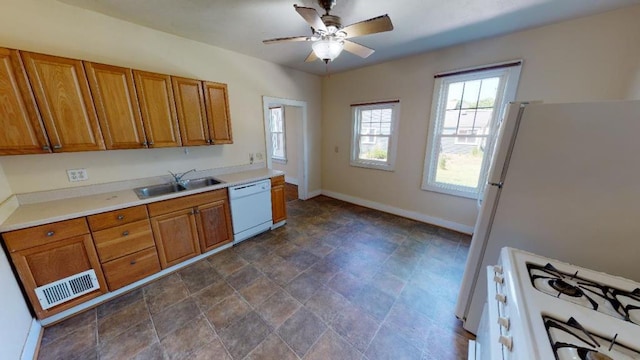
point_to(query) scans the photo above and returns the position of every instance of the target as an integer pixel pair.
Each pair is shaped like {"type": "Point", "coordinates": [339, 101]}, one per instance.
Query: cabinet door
{"type": "Point", "coordinates": [214, 225]}
{"type": "Point", "coordinates": [217, 103]}
{"type": "Point", "coordinates": [44, 264]}
{"type": "Point", "coordinates": [117, 106]}
{"type": "Point", "coordinates": [158, 109]}
{"type": "Point", "coordinates": [176, 237]}
{"type": "Point", "coordinates": [278, 200]}
{"type": "Point", "coordinates": [65, 103]}
{"type": "Point", "coordinates": [22, 130]}
{"type": "Point", "coordinates": [190, 108]}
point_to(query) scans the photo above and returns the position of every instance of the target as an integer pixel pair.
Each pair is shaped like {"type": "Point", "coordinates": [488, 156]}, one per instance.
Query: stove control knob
{"type": "Point", "coordinates": [502, 298]}
{"type": "Point", "coordinates": [507, 341]}
{"type": "Point", "coordinates": [504, 322]}
{"type": "Point", "coordinates": [497, 269]}
{"type": "Point", "coordinates": [499, 279]}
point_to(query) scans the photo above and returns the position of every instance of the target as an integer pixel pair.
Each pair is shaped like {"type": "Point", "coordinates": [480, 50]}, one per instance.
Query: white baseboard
{"type": "Point", "coordinates": [291, 180]}
{"type": "Point", "coordinates": [30, 348]}
{"type": "Point", "coordinates": [312, 194]}
{"type": "Point", "coordinates": [400, 212]}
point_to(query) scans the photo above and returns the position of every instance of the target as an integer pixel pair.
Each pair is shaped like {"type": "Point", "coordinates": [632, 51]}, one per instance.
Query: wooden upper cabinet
{"type": "Point", "coordinates": [62, 93]}
{"type": "Point", "coordinates": [115, 99]}
{"type": "Point", "coordinates": [22, 130]}
{"type": "Point", "coordinates": [217, 104]}
{"type": "Point", "coordinates": [158, 109]}
{"type": "Point", "coordinates": [192, 117]}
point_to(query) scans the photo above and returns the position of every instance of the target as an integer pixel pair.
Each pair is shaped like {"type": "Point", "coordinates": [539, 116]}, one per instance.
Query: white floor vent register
{"type": "Point", "coordinates": [66, 289]}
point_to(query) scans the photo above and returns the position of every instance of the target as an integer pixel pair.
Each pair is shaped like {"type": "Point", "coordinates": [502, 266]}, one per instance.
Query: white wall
{"type": "Point", "coordinates": [293, 134]}
{"type": "Point", "coordinates": [51, 27]}
{"type": "Point", "coordinates": [592, 58]}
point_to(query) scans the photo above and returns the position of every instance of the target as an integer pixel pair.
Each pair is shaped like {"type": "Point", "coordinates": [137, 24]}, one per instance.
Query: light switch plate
{"type": "Point", "coordinates": [77, 175]}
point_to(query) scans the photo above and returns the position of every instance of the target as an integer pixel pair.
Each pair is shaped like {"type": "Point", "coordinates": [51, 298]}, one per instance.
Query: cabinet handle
{"type": "Point", "coordinates": [120, 217]}
{"type": "Point", "coordinates": [133, 262]}
{"type": "Point", "coordinates": [197, 211]}
{"type": "Point", "coordinates": [209, 141]}
{"type": "Point", "coordinates": [150, 143]}
{"type": "Point", "coordinates": [46, 148]}
{"type": "Point", "coordinates": [192, 212]}
{"type": "Point", "coordinates": [57, 147]}
{"type": "Point", "coordinates": [125, 233]}
{"type": "Point", "coordinates": [144, 143]}
{"type": "Point", "coordinates": [50, 233]}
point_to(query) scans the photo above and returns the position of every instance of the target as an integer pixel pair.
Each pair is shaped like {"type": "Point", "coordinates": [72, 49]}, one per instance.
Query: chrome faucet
{"type": "Point", "coordinates": [177, 177]}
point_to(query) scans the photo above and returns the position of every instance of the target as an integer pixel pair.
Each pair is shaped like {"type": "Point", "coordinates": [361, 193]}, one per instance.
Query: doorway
{"type": "Point", "coordinates": [291, 156]}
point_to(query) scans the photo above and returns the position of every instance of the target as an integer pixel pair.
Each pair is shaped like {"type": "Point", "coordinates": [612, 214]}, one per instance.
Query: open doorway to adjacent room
{"type": "Point", "coordinates": [285, 123]}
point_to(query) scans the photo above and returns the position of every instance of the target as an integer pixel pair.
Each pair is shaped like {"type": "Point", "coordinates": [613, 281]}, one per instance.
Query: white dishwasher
{"type": "Point", "coordinates": [250, 209]}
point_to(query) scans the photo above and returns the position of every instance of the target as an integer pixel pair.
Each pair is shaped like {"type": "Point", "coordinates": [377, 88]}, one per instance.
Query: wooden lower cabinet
{"type": "Point", "coordinates": [184, 227]}
{"type": "Point", "coordinates": [278, 199]}
{"type": "Point", "coordinates": [53, 261]}
{"type": "Point", "coordinates": [176, 236]}
{"type": "Point", "coordinates": [131, 268]}
{"type": "Point", "coordinates": [214, 225]}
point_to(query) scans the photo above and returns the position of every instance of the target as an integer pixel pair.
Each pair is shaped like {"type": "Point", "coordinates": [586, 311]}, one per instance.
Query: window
{"type": "Point", "coordinates": [375, 128]}
{"type": "Point", "coordinates": [466, 109]}
{"type": "Point", "coordinates": [279, 152]}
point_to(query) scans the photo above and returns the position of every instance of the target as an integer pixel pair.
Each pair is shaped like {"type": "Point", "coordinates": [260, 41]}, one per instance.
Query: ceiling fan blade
{"type": "Point", "coordinates": [357, 49]}
{"type": "Point", "coordinates": [371, 26]}
{"type": "Point", "coordinates": [312, 57]}
{"type": "Point", "coordinates": [311, 16]}
{"type": "Point", "coordinates": [286, 39]}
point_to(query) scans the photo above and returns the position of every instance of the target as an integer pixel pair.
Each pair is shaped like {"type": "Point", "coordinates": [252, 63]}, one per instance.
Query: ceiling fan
{"type": "Point", "coordinates": [329, 37]}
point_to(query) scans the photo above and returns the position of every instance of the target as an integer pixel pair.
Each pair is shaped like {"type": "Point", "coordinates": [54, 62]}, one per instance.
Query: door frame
{"type": "Point", "coordinates": [303, 160]}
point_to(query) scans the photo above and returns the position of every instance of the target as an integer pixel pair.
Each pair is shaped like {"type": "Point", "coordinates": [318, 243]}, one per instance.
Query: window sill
{"type": "Point", "coordinates": [368, 165]}
{"type": "Point", "coordinates": [279, 161]}
{"type": "Point", "coordinates": [458, 193]}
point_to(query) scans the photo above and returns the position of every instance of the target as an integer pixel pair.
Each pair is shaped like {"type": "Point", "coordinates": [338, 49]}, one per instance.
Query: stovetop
{"type": "Point", "coordinates": [618, 303]}
{"type": "Point", "coordinates": [563, 311]}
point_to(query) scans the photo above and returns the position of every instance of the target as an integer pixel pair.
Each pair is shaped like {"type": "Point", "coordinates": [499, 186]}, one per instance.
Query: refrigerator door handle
{"type": "Point", "coordinates": [498, 184]}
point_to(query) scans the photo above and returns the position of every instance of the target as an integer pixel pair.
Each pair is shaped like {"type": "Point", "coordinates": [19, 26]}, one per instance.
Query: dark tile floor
{"type": "Point", "coordinates": [339, 281]}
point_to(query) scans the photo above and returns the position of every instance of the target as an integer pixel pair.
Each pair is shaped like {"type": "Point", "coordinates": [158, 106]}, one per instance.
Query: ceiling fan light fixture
{"type": "Point", "coordinates": [327, 49]}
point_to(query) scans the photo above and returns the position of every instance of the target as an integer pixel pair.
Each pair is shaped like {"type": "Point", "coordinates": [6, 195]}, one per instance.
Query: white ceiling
{"type": "Point", "coordinates": [420, 25]}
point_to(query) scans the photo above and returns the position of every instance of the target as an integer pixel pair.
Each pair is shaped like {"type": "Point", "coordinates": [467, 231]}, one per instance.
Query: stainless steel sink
{"type": "Point", "coordinates": [164, 189]}
{"type": "Point", "coordinates": [200, 183]}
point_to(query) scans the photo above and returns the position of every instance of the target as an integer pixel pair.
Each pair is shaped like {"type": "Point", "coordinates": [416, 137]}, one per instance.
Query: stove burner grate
{"type": "Point", "coordinates": [570, 340]}
{"type": "Point", "coordinates": [614, 302]}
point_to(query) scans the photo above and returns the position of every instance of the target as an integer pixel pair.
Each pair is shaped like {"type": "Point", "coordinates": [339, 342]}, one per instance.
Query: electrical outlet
{"type": "Point", "coordinates": [259, 156]}
{"type": "Point", "coordinates": [77, 175]}
{"type": "Point", "coordinates": [250, 158]}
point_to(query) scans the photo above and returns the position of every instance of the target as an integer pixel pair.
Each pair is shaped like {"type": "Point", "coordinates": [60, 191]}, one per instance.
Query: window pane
{"type": "Point", "coordinates": [470, 96]}
{"type": "Point", "coordinates": [374, 148]}
{"type": "Point", "coordinates": [454, 96]}
{"type": "Point", "coordinates": [483, 121]}
{"type": "Point", "coordinates": [450, 121]}
{"type": "Point", "coordinates": [459, 164]}
{"type": "Point", "coordinates": [488, 92]}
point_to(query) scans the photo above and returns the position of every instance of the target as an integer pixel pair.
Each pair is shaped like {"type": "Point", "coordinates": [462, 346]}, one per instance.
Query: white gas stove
{"type": "Point", "coordinates": [540, 308]}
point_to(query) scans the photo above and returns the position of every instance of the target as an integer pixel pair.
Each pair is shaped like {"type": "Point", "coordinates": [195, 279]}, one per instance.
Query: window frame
{"type": "Point", "coordinates": [356, 111]}
{"type": "Point", "coordinates": [506, 93]}
{"type": "Point", "coordinates": [278, 159]}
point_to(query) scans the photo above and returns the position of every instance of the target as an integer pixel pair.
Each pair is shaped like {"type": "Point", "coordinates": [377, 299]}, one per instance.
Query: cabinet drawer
{"type": "Point", "coordinates": [278, 180]}
{"type": "Point", "coordinates": [44, 234]}
{"type": "Point", "coordinates": [185, 202]}
{"type": "Point", "coordinates": [123, 240]}
{"type": "Point", "coordinates": [118, 217]}
{"type": "Point", "coordinates": [131, 268]}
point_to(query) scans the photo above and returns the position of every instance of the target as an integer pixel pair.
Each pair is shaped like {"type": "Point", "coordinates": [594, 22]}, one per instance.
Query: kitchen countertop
{"type": "Point", "coordinates": [45, 212]}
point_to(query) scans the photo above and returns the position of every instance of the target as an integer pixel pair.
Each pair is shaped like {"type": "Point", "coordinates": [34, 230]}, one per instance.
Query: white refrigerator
{"type": "Point", "coordinates": [564, 183]}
